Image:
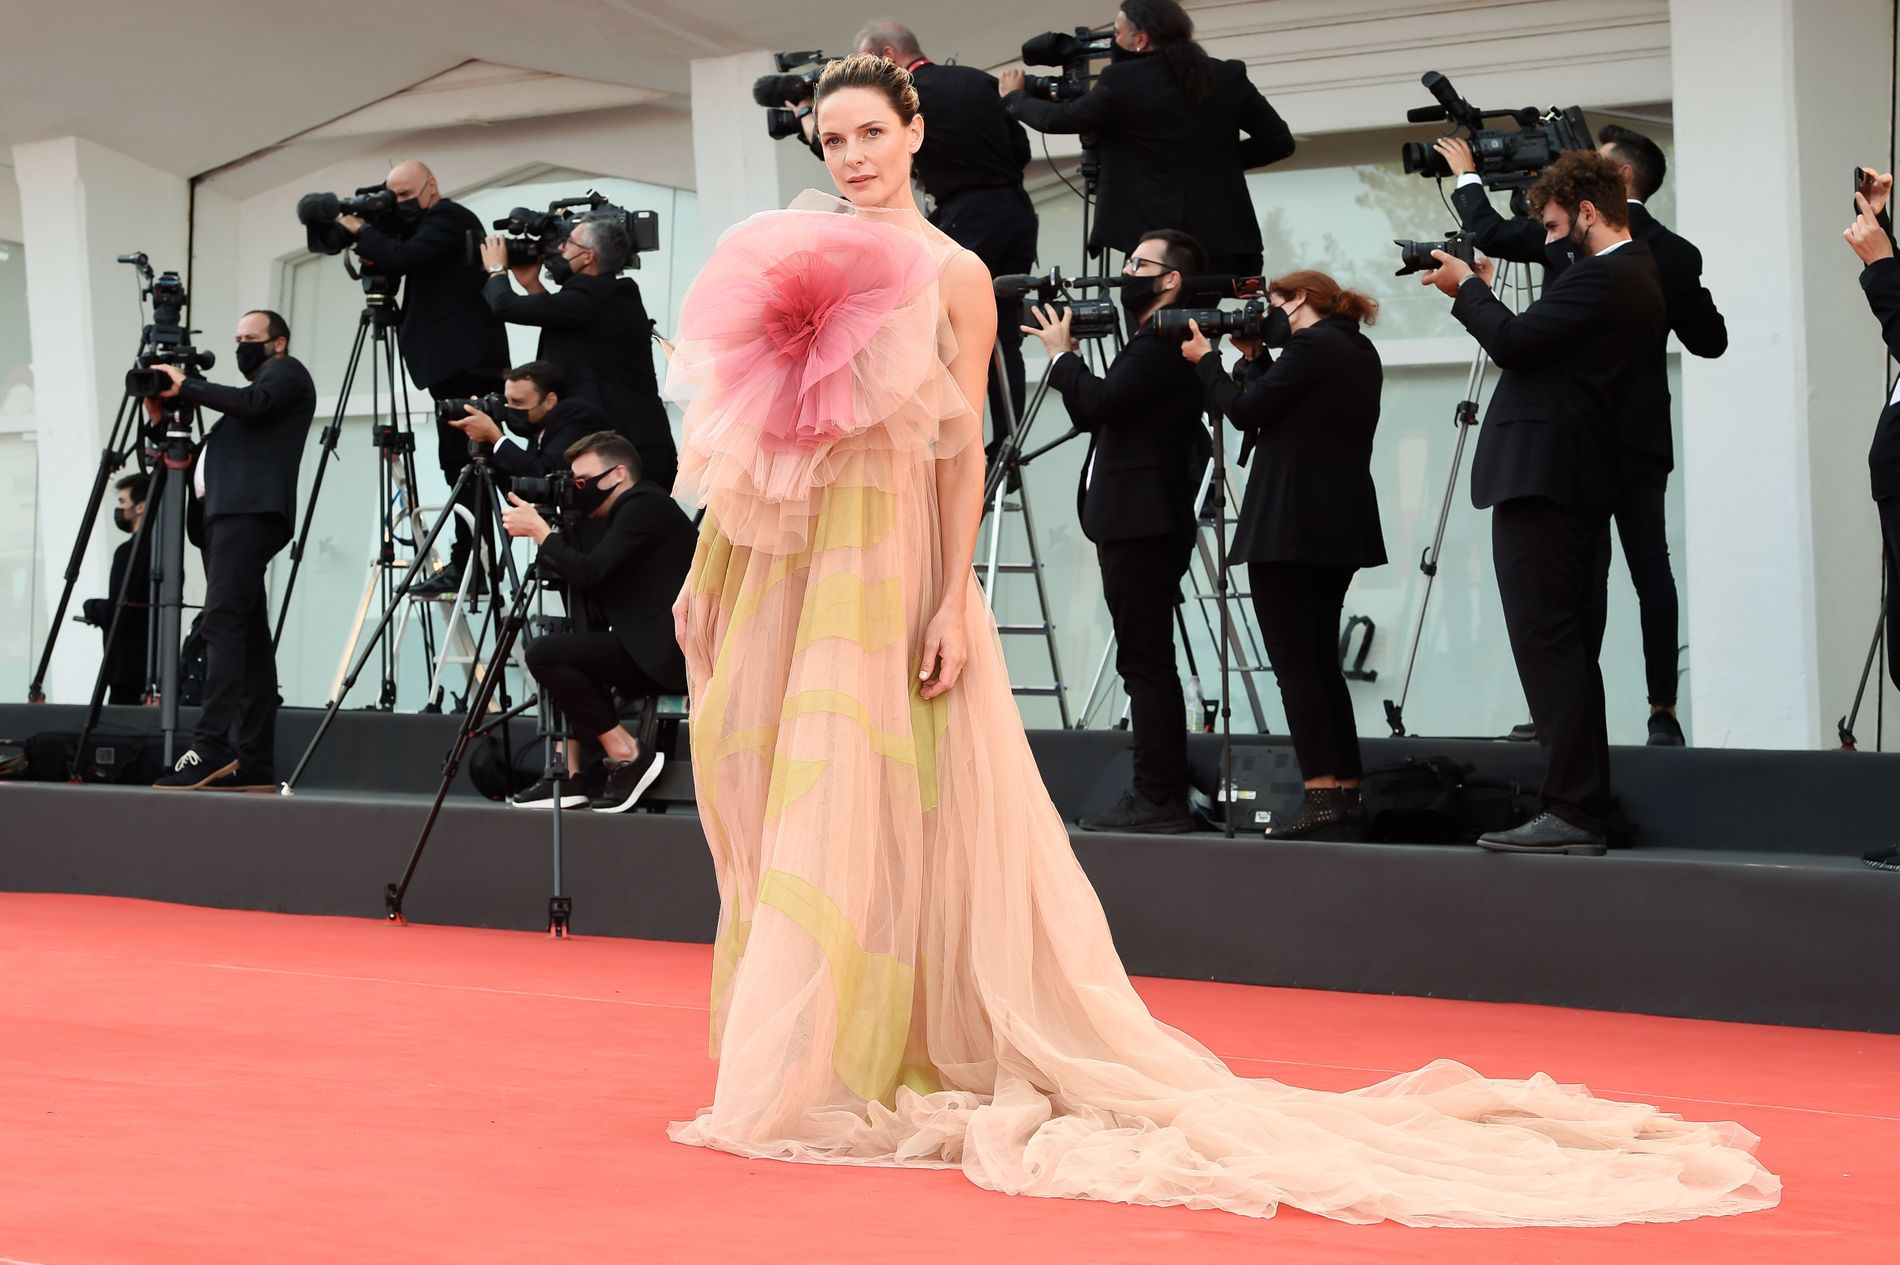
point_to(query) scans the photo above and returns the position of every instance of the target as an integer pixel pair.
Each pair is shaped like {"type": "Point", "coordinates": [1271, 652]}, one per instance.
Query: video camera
{"type": "Point", "coordinates": [165, 341]}
{"type": "Point", "coordinates": [1072, 52]}
{"type": "Point", "coordinates": [317, 212]}
{"type": "Point", "coordinates": [455, 410]}
{"type": "Point", "coordinates": [773, 91]}
{"type": "Point", "coordinates": [533, 234]}
{"type": "Point", "coordinates": [553, 492]}
{"type": "Point", "coordinates": [1246, 322]}
{"type": "Point", "coordinates": [1090, 318]}
{"type": "Point", "coordinates": [1508, 158]}
{"type": "Point", "coordinates": [1417, 256]}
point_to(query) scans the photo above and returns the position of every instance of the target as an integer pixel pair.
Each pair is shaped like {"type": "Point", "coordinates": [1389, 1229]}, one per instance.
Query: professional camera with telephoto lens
{"type": "Point", "coordinates": [1072, 52]}
{"type": "Point", "coordinates": [1245, 322]}
{"type": "Point", "coordinates": [1507, 158]}
{"type": "Point", "coordinates": [1417, 256]}
{"type": "Point", "coordinates": [553, 492]}
{"type": "Point", "coordinates": [533, 235]}
{"type": "Point", "coordinates": [796, 80]}
{"type": "Point", "coordinates": [317, 212]}
{"type": "Point", "coordinates": [455, 410]}
{"type": "Point", "coordinates": [166, 341]}
{"type": "Point", "coordinates": [1089, 318]}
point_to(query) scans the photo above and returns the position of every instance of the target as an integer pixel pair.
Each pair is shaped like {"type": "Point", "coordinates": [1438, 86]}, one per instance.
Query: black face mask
{"type": "Point", "coordinates": [558, 269]}
{"type": "Point", "coordinates": [251, 357]}
{"type": "Point", "coordinates": [1136, 300]}
{"type": "Point", "coordinates": [1116, 53]}
{"type": "Point", "coordinates": [1275, 328]}
{"type": "Point", "coordinates": [592, 497]}
{"type": "Point", "coordinates": [122, 520]}
{"type": "Point", "coordinates": [518, 423]}
{"type": "Point", "coordinates": [408, 210]}
{"type": "Point", "coordinates": [1559, 255]}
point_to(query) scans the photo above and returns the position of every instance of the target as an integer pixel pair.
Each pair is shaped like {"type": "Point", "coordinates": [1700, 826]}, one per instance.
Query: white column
{"type": "Point", "coordinates": [1771, 116]}
{"type": "Point", "coordinates": [739, 170]}
{"type": "Point", "coordinates": [82, 205]}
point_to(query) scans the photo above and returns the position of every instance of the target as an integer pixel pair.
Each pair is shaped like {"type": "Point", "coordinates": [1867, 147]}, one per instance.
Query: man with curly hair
{"type": "Point", "coordinates": [1549, 467]}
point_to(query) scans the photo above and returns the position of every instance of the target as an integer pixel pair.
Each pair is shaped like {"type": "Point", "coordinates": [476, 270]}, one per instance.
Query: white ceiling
{"type": "Point", "coordinates": [192, 86]}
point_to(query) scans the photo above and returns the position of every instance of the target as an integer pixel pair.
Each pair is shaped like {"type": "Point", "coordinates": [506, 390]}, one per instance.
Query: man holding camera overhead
{"type": "Point", "coordinates": [1147, 453]}
{"type": "Point", "coordinates": [1169, 120]}
{"type": "Point", "coordinates": [1549, 468]}
{"type": "Point", "coordinates": [594, 328]}
{"type": "Point", "coordinates": [242, 511]}
{"type": "Point", "coordinates": [624, 565]}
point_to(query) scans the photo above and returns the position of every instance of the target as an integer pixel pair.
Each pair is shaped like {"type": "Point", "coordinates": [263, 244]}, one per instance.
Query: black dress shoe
{"type": "Point", "coordinates": [443, 583]}
{"type": "Point", "coordinates": [1136, 814]}
{"type": "Point", "coordinates": [200, 770]}
{"type": "Point", "coordinates": [1665, 731]}
{"type": "Point", "coordinates": [1546, 832]}
{"type": "Point", "coordinates": [1333, 814]}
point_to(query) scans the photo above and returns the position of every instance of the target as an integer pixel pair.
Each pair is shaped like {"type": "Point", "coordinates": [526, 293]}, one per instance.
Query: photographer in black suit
{"type": "Point", "coordinates": [1549, 466]}
{"type": "Point", "coordinates": [1648, 450]}
{"type": "Point", "coordinates": [627, 562]}
{"type": "Point", "coordinates": [130, 576]}
{"type": "Point", "coordinates": [454, 346]}
{"type": "Point", "coordinates": [971, 164]}
{"type": "Point", "coordinates": [541, 415]}
{"type": "Point", "coordinates": [1147, 453]}
{"type": "Point", "coordinates": [594, 329]}
{"type": "Point", "coordinates": [1168, 119]}
{"type": "Point", "coordinates": [1871, 238]}
{"type": "Point", "coordinates": [1310, 517]}
{"type": "Point", "coordinates": [244, 506]}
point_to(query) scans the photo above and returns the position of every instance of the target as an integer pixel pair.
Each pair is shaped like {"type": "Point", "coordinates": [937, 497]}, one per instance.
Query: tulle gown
{"type": "Point", "coordinates": [911, 968]}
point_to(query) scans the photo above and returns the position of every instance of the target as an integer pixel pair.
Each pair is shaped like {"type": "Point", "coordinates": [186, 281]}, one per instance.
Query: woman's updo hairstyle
{"type": "Point", "coordinates": [1327, 296]}
{"type": "Point", "coordinates": [868, 70]}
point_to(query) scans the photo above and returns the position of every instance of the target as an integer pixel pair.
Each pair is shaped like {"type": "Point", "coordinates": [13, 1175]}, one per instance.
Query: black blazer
{"type": "Point", "coordinates": [1880, 281]}
{"type": "Point", "coordinates": [1311, 413]}
{"type": "Point", "coordinates": [1569, 362]}
{"type": "Point", "coordinates": [596, 330]}
{"type": "Point", "coordinates": [126, 666]}
{"type": "Point", "coordinates": [568, 421]}
{"type": "Point", "coordinates": [1649, 451]}
{"type": "Point", "coordinates": [446, 327]}
{"type": "Point", "coordinates": [630, 567]}
{"type": "Point", "coordinates": [1165, 163]}
{"type": "Point", "coordinates": [1147, 446]}
{"type": "Point", "coordinates": [1515, 238]}
{"type": "Point", "coordinates": [252, 455]}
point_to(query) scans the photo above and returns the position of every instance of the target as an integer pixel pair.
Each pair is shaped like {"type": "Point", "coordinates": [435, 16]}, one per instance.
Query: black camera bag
{"type": "Point", "coordinates": [1438, 800]}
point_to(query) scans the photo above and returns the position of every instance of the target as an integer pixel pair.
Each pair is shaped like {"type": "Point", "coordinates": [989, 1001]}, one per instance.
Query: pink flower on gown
{"type": "Point", "coordinates": [911, 968]}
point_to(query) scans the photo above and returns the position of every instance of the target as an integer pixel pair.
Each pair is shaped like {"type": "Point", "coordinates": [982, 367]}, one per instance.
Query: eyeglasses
{"type": "Point", "coordinates": [1136, 263]}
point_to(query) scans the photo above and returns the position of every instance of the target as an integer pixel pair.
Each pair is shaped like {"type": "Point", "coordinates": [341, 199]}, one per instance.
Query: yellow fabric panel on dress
{"type": "Point", "coordinates": [873, 990]}
{"type": "Point", "coordinates": [726, 957]}
{"type": "Point", "coordinates": [843, 605]}
{"type": "Point", "coordinates": [791, 781]}
{"type": "Point", "coordinates": [854, 518]}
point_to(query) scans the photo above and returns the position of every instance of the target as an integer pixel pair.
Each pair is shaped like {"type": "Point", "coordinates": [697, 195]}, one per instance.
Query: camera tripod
{"type": "Point", "coordinates": [552, 729]}
{"type": "Point", "coordinates": [1464, 416]}
{"type": "Point", "coordinates": [398, 504]}
{"type": "Point", "coordinates": [479, 477]}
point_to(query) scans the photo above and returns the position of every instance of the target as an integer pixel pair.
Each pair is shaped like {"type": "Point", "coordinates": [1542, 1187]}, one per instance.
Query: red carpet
{"type": "Point", "coordinates": [195, 1085]}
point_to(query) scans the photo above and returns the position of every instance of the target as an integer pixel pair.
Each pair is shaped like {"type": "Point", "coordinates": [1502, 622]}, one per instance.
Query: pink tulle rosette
{"type": "Point", "coordinates": [812, 349]}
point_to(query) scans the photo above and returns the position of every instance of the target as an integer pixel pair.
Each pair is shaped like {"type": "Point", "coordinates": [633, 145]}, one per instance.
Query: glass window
{"type": "Point", "coordinates": [22, 606]}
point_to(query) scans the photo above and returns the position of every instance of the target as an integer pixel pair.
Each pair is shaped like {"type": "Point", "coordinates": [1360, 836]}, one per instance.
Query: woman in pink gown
{"type": "Point", "coordinates": [911, 968]}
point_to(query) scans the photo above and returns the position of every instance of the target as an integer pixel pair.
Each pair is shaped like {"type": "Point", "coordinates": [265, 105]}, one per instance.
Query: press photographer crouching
{"type": "Point", "coordinates": [539, 413]}
{"type": "Point", "coordinates": [1549, 467]}
{"type": "Point", "coordinates": [594, 328]}
{"type": "Point", "coordinates": [1310, 517]}
{"type": "Point", "coordinates": [1147, 453]}
{"type": "Point", "coordinates": [626, 563]}
{"type": "Point", "coordinates": [242, 511]}
{"type": "Point", "coordinates": [125, 669]}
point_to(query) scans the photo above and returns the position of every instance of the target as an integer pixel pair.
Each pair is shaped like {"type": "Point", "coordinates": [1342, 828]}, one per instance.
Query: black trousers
{"type": "Point", "coordinates": [1890, 537]}
{"type": "Point", "coordinates": [451, 449]}
{"type": "Point", "coordinates": [1641, 527]}
{"type": "Point", "coordinates": [1546, 559]}
{"type": "Point", "coordinates": [1298, 606]}
{"type": "Point", "coordinates": [239, 713]}
{"type": "Point", "coordinates": [1142, 581]}
{"type": "Point", "coordinates": [580, 671]}
{"type": "Point", "coordinates": [999, 227]}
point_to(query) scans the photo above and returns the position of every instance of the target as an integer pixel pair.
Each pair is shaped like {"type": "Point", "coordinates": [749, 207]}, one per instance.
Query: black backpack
{"type": "Point", "coordinates": [1439, 800]}
{"type": "Point", "coordinates": [494, 775]}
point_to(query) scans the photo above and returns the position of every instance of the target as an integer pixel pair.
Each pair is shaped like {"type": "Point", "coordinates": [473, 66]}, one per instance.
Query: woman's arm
{"type": "Point", "coordinates": [971, 304]}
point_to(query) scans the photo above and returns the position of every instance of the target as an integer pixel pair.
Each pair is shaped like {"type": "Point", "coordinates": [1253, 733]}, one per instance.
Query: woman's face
{"type": "Point", "coordinates": [866, 146]}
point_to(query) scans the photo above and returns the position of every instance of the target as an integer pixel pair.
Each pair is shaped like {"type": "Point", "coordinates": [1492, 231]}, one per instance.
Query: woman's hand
{"type": "Point", "coordinates": [1865, 235]}
{"type": "Point", "coordinates": [946, 651]}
